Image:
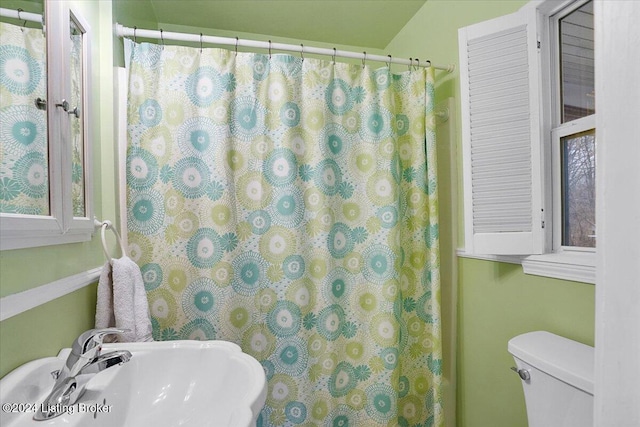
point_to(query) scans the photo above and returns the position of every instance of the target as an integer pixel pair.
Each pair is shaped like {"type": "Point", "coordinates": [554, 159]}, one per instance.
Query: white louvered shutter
{"type": "Point", "coordinates": [502, 143]}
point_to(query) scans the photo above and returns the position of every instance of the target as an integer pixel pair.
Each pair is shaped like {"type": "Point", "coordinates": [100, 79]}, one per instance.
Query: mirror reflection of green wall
{"type": "Point", "coordinates": [24, 177]}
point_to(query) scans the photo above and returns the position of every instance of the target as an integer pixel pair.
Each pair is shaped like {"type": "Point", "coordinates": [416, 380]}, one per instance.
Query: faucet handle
{"type": "Point", "coordinates": [92, 338]}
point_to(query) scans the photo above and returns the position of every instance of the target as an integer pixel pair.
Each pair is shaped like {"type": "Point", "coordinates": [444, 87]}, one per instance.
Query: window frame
{"type": "Point", "coordinates": [557, 134]}
{"type": "Point", "coordinates": [561, 130]}
{"type": "Point", "coordinates": [561, 262]}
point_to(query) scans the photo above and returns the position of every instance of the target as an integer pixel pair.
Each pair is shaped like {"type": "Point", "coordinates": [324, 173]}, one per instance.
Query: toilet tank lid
{"type": "Point", "coordinates": [562, 358]}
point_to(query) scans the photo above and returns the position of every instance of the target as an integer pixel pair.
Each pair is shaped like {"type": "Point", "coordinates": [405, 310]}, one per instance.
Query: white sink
{"type": "Point", "coordinates": [170, 383]}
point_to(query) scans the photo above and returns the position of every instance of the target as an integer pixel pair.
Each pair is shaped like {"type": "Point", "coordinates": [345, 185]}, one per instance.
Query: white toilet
{"type": "Point", "coordinates": [557, 377]}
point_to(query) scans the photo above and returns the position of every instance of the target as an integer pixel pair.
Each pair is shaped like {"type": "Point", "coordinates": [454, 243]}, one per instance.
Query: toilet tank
{"type": "Point", "coordinates": [559, 390]}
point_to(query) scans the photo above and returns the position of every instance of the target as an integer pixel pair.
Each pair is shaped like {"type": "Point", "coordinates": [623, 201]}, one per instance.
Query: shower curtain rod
{"type": "Point", "coordinates": [20, 14]}
{"type": "Point", "coordinates": [122, 31]}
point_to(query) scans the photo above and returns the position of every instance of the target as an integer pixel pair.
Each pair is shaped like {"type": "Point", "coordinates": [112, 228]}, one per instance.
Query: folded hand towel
{"type": "Point", "coordinates": [104, 305]}
{"type": "Point", "coordinates": [122, 301]}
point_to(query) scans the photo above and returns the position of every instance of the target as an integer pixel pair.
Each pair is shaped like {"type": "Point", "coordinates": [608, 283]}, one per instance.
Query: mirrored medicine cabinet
{"type": "Point", "coordinates": [45, 166]}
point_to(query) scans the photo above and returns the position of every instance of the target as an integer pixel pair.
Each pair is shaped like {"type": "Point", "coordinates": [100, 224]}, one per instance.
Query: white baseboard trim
{"type": "Point", "coordinates": [20, 302]}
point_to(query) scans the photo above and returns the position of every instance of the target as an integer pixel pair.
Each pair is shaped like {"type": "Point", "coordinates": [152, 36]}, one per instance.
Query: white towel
{"type": "Point", "coordinates": [104, 307]}
{"type": "Point", "coordinates": [122, 301]}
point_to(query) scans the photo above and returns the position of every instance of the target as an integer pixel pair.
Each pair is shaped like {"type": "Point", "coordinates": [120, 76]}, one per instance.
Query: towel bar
{"type": "Point", "coordinates": [104, 225]}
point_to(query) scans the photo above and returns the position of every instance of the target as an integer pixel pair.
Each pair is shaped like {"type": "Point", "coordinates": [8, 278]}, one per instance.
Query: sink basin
{"type": "Point", "coordinates": [169, 383]}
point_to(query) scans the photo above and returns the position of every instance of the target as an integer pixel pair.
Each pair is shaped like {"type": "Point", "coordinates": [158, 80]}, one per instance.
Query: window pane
{"type": "Point", "coordinates": [579, 189]}
{"type": "Point", "coordinates": [576, 63]}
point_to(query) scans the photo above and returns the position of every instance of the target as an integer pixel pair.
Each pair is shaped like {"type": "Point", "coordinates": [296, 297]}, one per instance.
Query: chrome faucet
{"type": "Point", "coordinates": [84, 361]}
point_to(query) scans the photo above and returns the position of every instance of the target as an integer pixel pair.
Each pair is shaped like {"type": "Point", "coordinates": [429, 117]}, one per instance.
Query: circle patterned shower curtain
{"type": "Point", "coordinates": [290, 206]}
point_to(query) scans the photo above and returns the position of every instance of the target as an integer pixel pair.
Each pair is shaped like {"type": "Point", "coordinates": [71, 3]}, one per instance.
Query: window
{"type": "Point", "coordinates": [529, 138]}
{"type": "Point", "coordinates": [573, 128]}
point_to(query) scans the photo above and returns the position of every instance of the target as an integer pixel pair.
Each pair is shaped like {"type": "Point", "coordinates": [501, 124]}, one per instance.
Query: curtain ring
{"type": "Point", "coordinates": [269, 49]}
{"type": "Point", "coordinates": [428, 61]}
{"type": "Point", "coordinates": [200, 42]}
{"type": "Point", "coordinates": [417, 67]}
{"type": "Point", "coordinates": [389, 63]}
{"type": "Point", "coordinates": [333, 58]}
{"type": "Point", "coordinates": [237, 45]}
{"type": "Point", "coordinates": [135, 39]}
{"type": "Point", "coordinates": [410, 63]}
{"type": "Point", "coordinates": [162, 38]}
{"type": "Point", "coordinates": [20, 19]}
{"type": "Point", "coordinates": [364, 58]}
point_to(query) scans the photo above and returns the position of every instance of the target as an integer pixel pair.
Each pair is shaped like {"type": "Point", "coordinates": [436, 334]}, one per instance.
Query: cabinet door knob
{"type": "Point", "coordinates": [64, 104]}
{"type": "Point", "coordinates": [75, 112]}
{"type": "Point", "coordinates": [41, 104]}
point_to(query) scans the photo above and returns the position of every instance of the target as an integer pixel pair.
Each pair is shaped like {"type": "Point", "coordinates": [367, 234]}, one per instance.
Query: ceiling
{"type": "Point", "coordinates": [367, 23]}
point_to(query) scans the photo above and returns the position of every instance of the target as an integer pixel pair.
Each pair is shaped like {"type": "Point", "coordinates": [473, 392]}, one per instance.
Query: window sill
{"type": "Point", "coordinates": [574, 266]}
{"type": "Point", "coordinates": [23, 231]}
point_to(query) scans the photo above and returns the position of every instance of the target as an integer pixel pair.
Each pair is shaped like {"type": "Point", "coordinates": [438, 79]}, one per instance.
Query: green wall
{"type": "Point", "coordinates": [495, 301]}
{"type": "Point", "coordinates": [44, 330]}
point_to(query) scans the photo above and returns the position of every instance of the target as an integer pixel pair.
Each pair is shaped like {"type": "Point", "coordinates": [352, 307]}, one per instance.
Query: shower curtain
{"type": "Point", "coordinates": [290, 206]}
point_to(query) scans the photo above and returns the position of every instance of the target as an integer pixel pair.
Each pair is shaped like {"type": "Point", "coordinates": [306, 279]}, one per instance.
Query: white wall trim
{"type": "Point", "coordinates": [577, 267]}
{"type": "Point", "coordinates": [617, 371]}
{"type": "Point", "coordinates": [20, 302]}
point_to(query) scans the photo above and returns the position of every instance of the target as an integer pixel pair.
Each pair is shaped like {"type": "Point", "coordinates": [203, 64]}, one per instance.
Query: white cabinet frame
{"type": "Point", "coordinates": [23, 231]}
